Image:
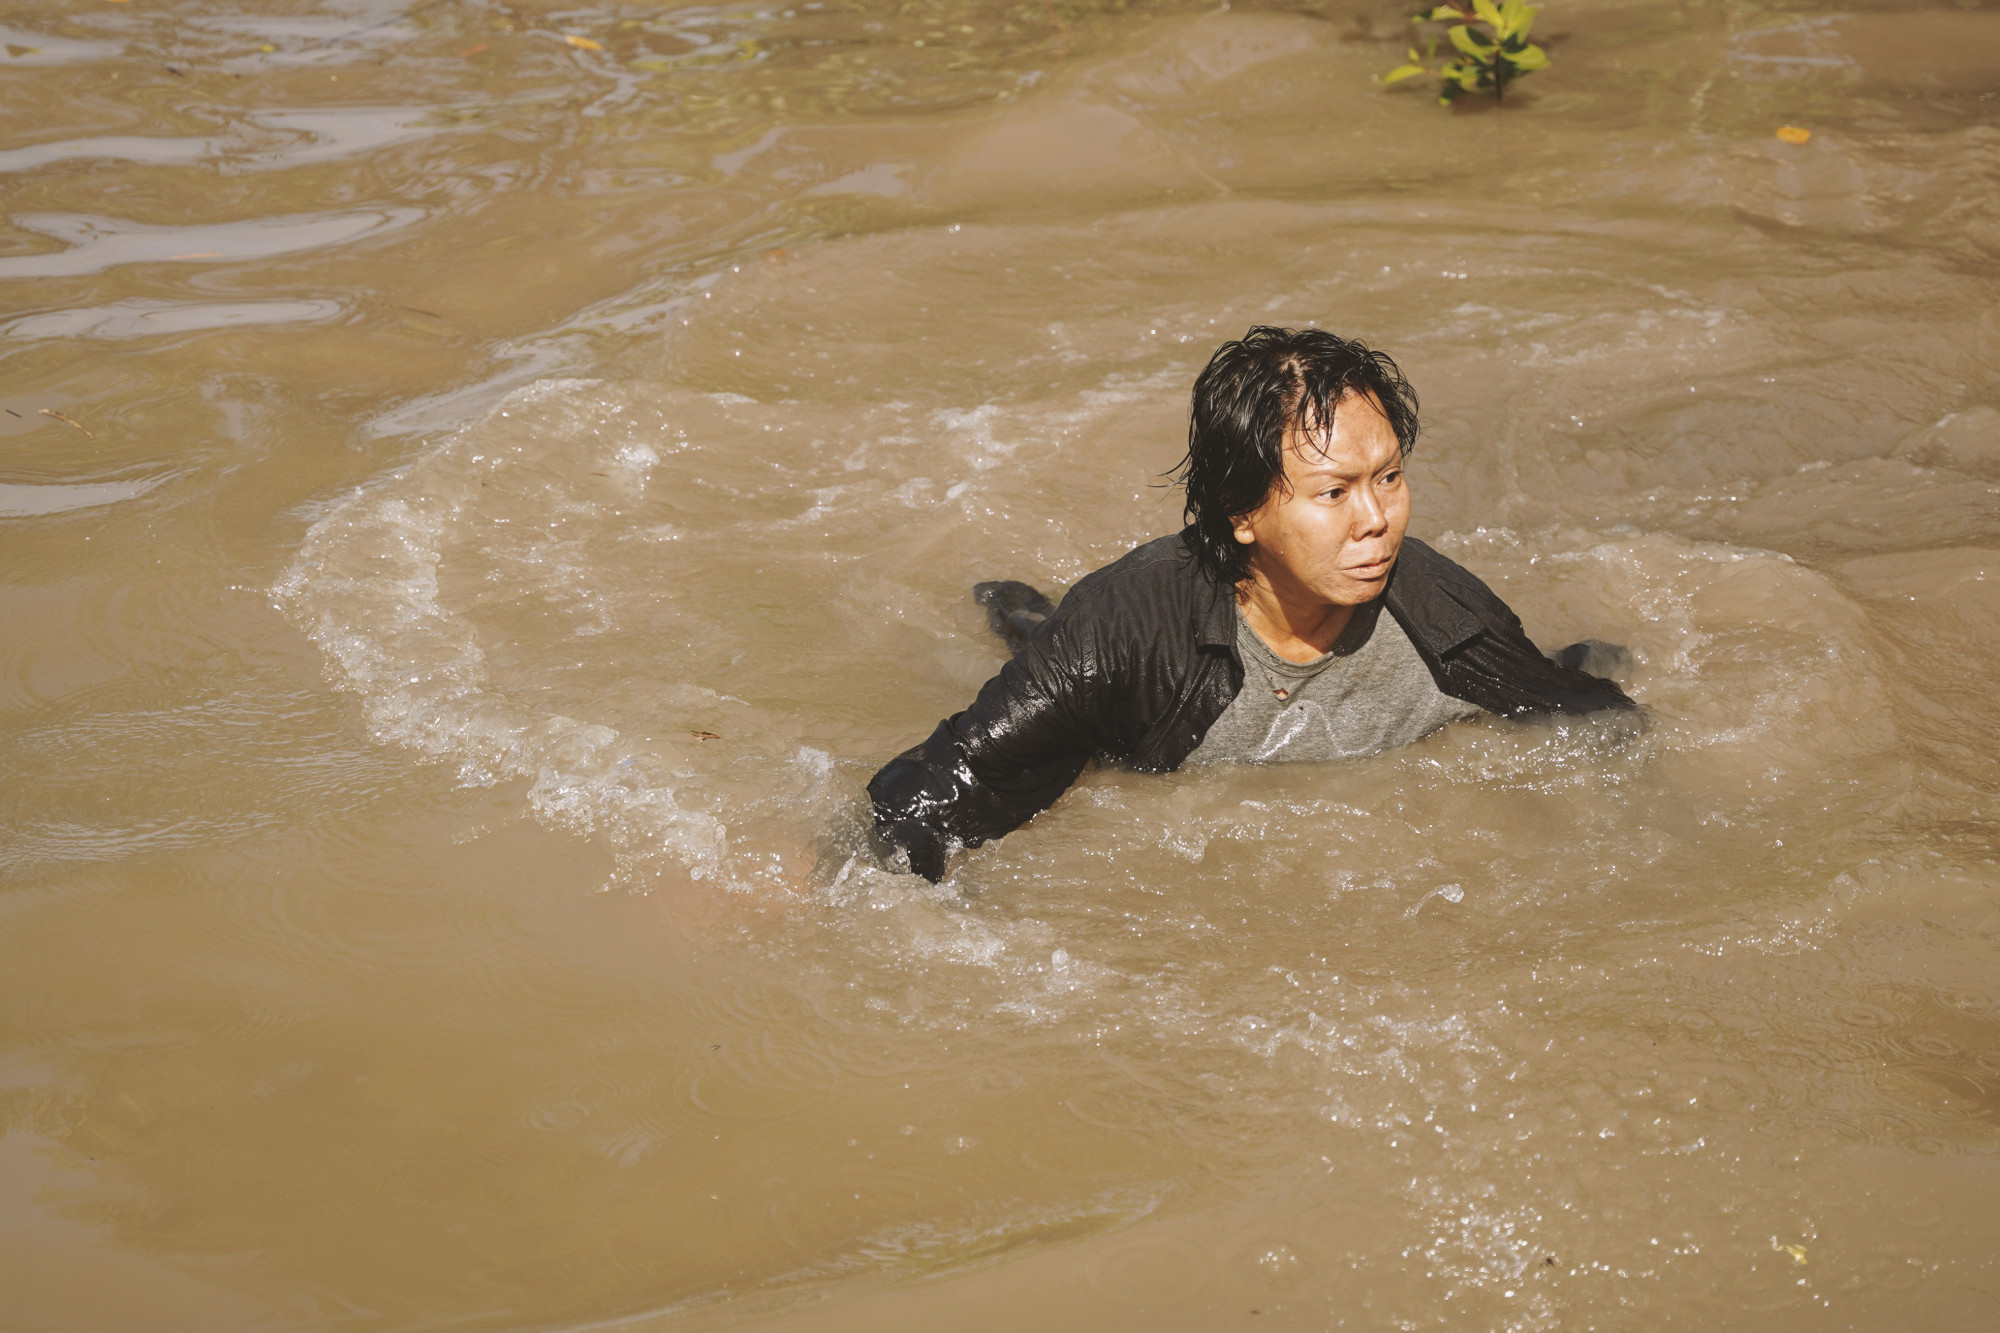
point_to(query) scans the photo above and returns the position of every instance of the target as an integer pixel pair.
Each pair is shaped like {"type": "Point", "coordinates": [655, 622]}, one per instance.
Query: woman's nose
{"type": "Point", "coordinates": [1370, 515]}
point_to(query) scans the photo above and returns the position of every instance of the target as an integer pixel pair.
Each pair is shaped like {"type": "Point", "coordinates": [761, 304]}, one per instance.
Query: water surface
{"type": "Point", "coordinates": [506, 494]}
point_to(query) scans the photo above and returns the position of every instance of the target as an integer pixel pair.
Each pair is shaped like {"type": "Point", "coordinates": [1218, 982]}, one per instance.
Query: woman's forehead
{"type": "Point", "coordinates": [1347, 432]}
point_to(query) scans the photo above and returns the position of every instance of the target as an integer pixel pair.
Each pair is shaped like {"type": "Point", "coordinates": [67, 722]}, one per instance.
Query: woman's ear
{"type": "Point", "coordinates": [1240, 525]}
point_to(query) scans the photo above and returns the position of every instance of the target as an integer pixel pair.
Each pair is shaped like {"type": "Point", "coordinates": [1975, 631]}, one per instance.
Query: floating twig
{"type": "Point", "coordinates": [68, 421]}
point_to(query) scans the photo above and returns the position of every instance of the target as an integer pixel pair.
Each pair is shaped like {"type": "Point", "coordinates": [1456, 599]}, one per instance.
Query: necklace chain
{"type": "Point", "coordinates": [1274, 681]}
{"type": "Point", "coordinates": [1278, 685]}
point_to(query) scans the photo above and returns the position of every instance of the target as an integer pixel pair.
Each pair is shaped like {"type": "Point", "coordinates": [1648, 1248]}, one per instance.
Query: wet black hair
{"type": "Point", "coordinates": [1251, 391]}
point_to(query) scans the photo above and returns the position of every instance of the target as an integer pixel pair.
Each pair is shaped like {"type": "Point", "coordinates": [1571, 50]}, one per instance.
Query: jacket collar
{"type": "Point", "coordinates": [1422, 602]}
{"type": "Point", "coordinates": [1215, 625]}
{"type": "Point", "coordinates": [1213, 604]}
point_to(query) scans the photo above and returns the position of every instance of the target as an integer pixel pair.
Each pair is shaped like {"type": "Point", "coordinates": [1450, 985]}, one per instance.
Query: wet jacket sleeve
{"type": "Point", "coordinates": [1500, 668]}
{"type": "Point", "coordinates": [991, 768]}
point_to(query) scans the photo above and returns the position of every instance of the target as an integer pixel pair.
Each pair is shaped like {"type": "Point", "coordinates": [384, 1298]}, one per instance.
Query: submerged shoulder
{"type": "Point", "coordinates": [1150, 601]}
{"type": "Point", "coordinates": [1163, 567]}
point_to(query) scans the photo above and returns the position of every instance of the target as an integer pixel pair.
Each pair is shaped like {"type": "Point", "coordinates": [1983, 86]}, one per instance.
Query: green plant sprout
{"type": "Point", "coordinates": [1492, 44]}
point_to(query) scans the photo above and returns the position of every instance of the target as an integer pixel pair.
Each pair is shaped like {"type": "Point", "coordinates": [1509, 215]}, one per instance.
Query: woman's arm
{"type": "Point", "coordinates": [989, 769]}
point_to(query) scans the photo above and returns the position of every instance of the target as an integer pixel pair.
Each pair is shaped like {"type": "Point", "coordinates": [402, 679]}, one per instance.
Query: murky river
{"type": "Point", "coordinates": [484, 485]}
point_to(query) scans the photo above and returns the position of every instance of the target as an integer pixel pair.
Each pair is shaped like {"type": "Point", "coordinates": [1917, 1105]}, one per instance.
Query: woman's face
{"type": "Point", "coordinates": [1329, 533]}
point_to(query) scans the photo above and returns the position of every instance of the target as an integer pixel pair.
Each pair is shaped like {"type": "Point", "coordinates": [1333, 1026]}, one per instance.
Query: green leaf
{"type": "Point", "coordinates": [1515, 18]}
{"type": "Point", "coordinates": [1445, 13]}
{"type": "Point", "coordinates": [1531, 58]}
{"type": "Point", "coordinates": [1487, 11]}
{"type": "Point", "coordinates": [1415, 59]}
{"type": "Point", "coordinates": [1473, 43]}
{"type": "Point", "coordinates": [1401, 72]}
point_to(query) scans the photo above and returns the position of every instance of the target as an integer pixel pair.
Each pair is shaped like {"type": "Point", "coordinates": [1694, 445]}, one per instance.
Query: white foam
{"type": "Point", "coordinates": [365, 588]}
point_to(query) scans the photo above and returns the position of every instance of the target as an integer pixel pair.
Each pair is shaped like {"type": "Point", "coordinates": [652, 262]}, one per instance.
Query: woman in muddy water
{"type": "Point", "coordinates": [616, 402]}
{"type": "Point", "coordinates": [1256, 634]}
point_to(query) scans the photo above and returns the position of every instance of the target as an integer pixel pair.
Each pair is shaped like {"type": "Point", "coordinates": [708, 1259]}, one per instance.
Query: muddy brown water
{"type": "Point", "coordinates": [508, 494]}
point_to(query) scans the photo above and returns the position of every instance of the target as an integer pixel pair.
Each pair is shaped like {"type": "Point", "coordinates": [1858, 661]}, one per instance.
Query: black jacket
{"type": "Point", "coordinates": [1138, 662]}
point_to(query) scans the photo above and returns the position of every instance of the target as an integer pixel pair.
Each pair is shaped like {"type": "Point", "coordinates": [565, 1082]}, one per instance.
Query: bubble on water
{"type": "Point", "coordinates": [1451, 893]}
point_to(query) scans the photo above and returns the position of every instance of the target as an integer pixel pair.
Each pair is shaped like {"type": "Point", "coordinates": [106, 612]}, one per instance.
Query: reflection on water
{"type": "Point", "coordinates": [26, 501]}
{"type": "Point", "coordinates": [140, 318]}
{"type": "Point", "coordinates": [96, 243]}
{"type": "Point", "coordinates": [304, 137]}
{"type": "Point", "coordinates": [125, 147]}
{"type": "Point", "coordinates": [618, 424]}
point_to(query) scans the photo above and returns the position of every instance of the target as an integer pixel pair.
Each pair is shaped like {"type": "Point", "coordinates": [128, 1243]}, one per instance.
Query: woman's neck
{"type": "Point", "coordinates": [1298, 628]}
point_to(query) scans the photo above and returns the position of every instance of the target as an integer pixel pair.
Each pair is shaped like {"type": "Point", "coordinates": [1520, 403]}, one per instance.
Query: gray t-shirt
{"type": "Point", "coordinates": [1371, 693]}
